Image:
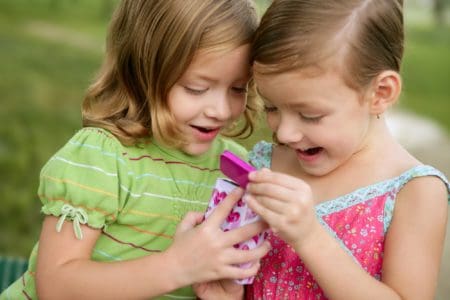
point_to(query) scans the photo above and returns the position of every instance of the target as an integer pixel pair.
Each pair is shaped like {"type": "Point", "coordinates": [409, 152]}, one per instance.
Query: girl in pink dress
{"type": "Point", "coordinates": [352, 214]}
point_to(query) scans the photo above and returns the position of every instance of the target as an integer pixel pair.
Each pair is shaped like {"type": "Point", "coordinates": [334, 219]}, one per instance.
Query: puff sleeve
{"type": "Point", "coordinates": [85, 181]}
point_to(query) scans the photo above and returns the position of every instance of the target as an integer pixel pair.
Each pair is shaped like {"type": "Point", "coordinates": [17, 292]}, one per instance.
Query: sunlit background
{"type": "Point", "coordinates": [51, 49]}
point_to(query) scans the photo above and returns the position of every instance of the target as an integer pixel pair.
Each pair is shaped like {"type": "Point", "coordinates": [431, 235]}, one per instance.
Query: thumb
{"type": "Point", "coordinates": [190, 220]}
{"type": "Point", "coordinates": [230, 286]}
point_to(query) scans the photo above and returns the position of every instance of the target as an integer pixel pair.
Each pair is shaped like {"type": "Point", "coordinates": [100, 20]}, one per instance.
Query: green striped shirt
{"type": "Point", "coordinates": [136, 195]}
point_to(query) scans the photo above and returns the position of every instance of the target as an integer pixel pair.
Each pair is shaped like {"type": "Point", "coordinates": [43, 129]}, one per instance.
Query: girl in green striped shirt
{"type": "Point", "coordinates": [117, 195]}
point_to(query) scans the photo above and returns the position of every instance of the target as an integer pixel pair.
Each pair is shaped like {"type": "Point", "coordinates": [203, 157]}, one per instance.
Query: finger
{"type": "Point", "coordinates": [273, 204]}
{"type": "Point", "coordinates": [231, 286]}
{"type": "Point", "coordinates": [220, 213]}
{"type": "Point", "coordinates": [278, 193]}
{"type": "Point", "coordinates": [190, 220]}
{"type": "Point", "coordinates": [244, 263]}
{"type": "Point", "coordinates": [237, 272]}
{"type": "Point", "coordinates": [245, 232]}
{"type": "Point", "coordinates": [268, 176]}
{"type": "Point", "coordinates": [245, 256]}
{"type": "Point", "coordinates": [266, 214]}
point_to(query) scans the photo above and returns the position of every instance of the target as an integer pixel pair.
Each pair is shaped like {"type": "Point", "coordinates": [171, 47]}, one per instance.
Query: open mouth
{"type": "Point", "coordinates": [205, 134]}
{"type": "Point", "coordinates": [312, 151]}
{"type": "Point", "coordinates": [203, 129]}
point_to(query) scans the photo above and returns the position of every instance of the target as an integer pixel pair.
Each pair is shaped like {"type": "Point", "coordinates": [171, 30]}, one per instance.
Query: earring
{"type": "Point", "coordinates": [378, 116]}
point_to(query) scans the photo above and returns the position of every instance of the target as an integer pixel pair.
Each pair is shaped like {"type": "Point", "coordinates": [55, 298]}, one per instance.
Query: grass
{"type": "Point", "coordinates": [426, 73]}
{"type": "Point", "coordinates": [50, 51]}
{"type": "Point", "coordinates": [42, 83]}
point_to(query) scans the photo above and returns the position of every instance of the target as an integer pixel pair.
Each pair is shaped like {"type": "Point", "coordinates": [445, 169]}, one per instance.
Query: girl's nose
{"type": "Point", "coordinates": [288, 130]}
{"type": "Point", "coordinates": [219, 108]}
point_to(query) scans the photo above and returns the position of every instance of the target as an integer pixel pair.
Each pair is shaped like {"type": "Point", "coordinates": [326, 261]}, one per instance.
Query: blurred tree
{"type": "Point", "coordinates": [439, 11]}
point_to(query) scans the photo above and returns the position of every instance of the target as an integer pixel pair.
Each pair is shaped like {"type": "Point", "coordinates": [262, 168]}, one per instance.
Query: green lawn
{"type": "Point", "coordinates": [426, 72]}
{"type": "Point", "coordinates": [49, 52]}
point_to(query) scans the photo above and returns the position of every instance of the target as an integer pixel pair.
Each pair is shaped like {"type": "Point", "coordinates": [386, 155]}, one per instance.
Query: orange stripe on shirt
{"type": "Point", "coordinates": [81, 186]}
{"type": "Point", "coordinates": [150, 232]}
{"type": "Point", "coordinates": [146, 214]}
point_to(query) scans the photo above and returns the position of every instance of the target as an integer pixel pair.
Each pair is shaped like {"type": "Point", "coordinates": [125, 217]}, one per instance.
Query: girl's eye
{"type": "Point", "coordinates": [269, 109]}
{"type": "Point", "coordinates": [194, 91]}
{"type": "Point", "coordinates": [310, 119]}
{"type": "Point", "coordinates": [239, 90]}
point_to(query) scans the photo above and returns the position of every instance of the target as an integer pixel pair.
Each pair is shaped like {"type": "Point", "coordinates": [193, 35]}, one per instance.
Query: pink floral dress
{"type": "Point", "coordinates": [359, 221]}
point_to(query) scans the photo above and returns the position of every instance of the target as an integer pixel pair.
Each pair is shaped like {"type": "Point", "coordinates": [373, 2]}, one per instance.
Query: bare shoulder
{"type": "Point", "coordinates": [428, 189]}
{"type": "Point", "coordinates": [423, 198]}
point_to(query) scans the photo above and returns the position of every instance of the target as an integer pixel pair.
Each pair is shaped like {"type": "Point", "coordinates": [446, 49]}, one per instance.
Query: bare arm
{"type": "Point", "coordinates": [65, 270]}
{"type": "Point", "coordinates": [414, 243]}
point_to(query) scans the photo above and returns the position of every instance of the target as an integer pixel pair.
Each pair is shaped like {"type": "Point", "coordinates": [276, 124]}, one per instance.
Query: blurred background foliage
{"type": "Point", "coordinates": [51, 49]}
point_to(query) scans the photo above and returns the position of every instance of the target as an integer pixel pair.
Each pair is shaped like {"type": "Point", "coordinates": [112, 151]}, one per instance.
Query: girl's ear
{"type": "Point", "coordinates": [385, 90]}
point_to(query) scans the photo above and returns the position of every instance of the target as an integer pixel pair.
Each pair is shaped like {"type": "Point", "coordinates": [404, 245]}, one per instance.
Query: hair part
{"type": "Point", "coordinates": [361, 38]}
{"type": "Point", "coordinates": [149, 46]}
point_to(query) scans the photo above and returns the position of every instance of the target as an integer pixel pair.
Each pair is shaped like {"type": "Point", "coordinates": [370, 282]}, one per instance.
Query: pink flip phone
{"type": "Point", "coordinates": [235, 168]}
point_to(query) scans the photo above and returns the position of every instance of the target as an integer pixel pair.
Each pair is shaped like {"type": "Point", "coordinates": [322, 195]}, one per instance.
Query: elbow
{"type": "Point", "coordinates": [43, 286]}
{"type": "Point", "coordinates": [47, 286]}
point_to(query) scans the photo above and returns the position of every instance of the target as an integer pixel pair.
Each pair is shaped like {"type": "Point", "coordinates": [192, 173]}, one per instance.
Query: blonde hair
{"type": "Point", "coordinates": [149, 46]}
{"type": "Point", "coordinates": [364, 36]}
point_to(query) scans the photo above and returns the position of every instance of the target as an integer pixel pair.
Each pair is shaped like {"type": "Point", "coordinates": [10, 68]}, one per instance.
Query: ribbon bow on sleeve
{"type": "Point", "coordinates": [77, 215]}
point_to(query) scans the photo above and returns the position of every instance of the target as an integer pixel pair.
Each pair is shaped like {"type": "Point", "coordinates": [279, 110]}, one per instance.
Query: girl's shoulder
{"type": "Point", "coordinates": [421, 179]}
{"type": "Point", "coordinates": [95, 136]}
{"type": "Point", "coordinates": [89, 144]}
{"type": "Point", "coordinates": [261, 154]}
{"type": "Point", "coordinates": [86, 175]}
{"type": "Point", "coordinates": [96, 142]}
{"type": "Point", "coordinates": [421, 171]}
{"type": "Point", "coordinates": [272, 156]}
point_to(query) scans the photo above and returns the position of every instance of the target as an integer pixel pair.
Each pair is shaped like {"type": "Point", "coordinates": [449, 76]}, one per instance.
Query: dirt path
{"type": "Point", "coordinates": [430, 144]}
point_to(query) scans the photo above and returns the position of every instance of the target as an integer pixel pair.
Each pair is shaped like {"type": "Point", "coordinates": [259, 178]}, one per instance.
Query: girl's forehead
{"type": "Point", "coordinates": [299, 84]}
{"type": "Point", "coordinates": [220, 64]}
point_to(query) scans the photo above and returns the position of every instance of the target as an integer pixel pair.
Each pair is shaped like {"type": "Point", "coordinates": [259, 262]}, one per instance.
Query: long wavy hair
{"type": "Point", "coordinates": [150, 44]}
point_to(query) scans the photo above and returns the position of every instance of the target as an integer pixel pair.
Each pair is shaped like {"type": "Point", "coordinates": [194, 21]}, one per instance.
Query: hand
{"type": "Point", "coordinates": [206, 253]}
{"type": "Point", "coordinates": [283, 201]}
{"type": "Point", "coordinates": [219, 290]}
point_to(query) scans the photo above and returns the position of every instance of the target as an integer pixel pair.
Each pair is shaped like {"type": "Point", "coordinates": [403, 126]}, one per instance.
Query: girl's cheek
{"type": "Point", "coordinates": [272, 121]}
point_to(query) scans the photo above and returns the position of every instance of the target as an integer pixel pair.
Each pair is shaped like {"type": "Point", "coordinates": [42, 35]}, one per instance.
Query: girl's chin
{"type": "Point", "coordinates": [196, 149]}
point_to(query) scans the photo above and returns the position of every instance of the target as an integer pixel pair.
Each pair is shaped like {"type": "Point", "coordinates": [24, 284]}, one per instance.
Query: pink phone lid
{"type": "Point", "coordinates": [235, 168]}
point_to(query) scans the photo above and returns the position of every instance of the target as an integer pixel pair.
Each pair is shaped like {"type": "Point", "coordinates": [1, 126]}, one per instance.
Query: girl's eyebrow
{"type": "Point", "coordinates": [204, 77]}
{"type": "Point", "coordinates": [214, 80]}
{"type": "Point", "coordinates": [293, 105]}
